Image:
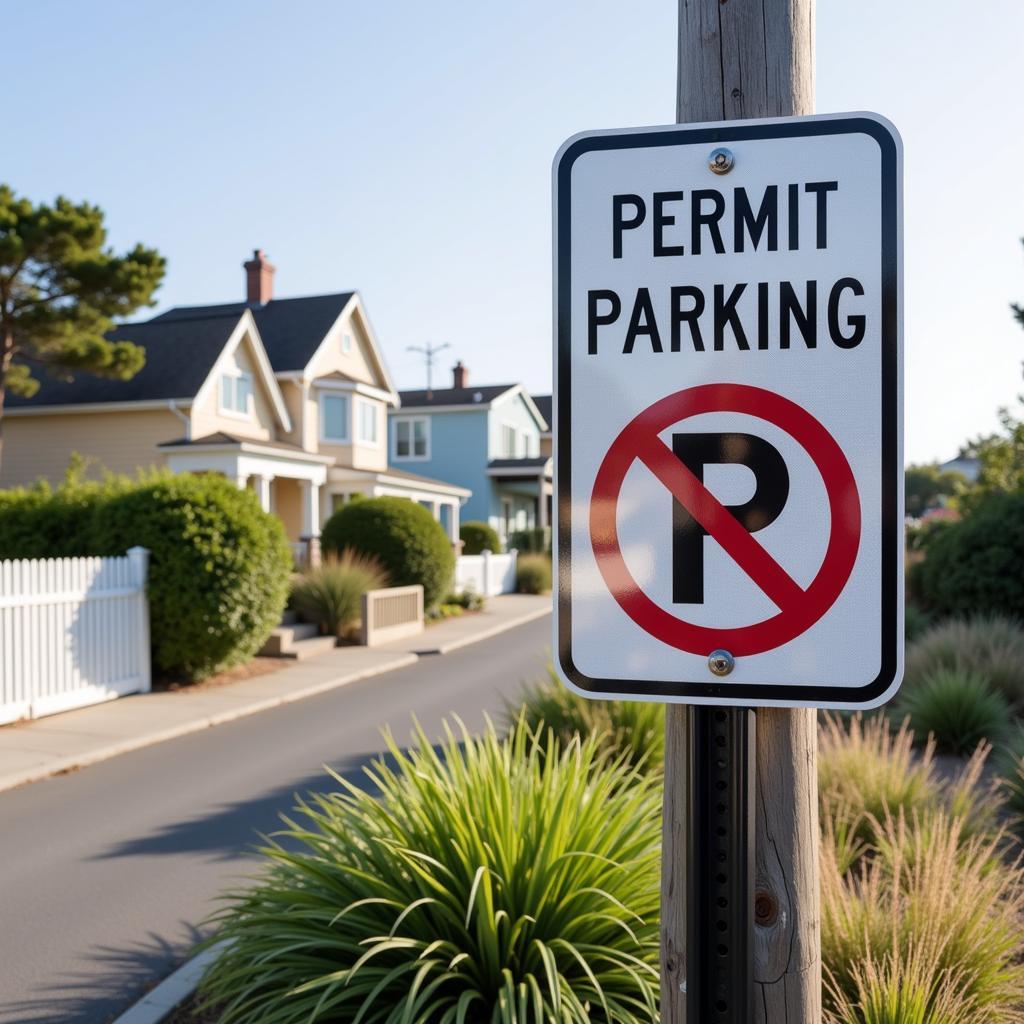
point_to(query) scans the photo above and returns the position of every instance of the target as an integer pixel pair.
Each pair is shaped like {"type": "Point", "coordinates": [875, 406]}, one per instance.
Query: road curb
{"type": "Point", "coordinates": [65, 764]}
{"type": "Point", "coordinates": [503, 627]}
{"type": "Point", "coordinates": [161, 1001]}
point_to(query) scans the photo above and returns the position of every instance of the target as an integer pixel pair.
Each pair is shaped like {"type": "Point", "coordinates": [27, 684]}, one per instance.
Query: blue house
{"type": "Point", "coordinates": [485, 438]}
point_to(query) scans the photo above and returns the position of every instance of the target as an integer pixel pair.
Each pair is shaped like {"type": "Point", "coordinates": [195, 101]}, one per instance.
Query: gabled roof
{"type": "Point", "coordinates": [438, 397]}
{"type": "Point", "coordinates": [292, 329]}
{"type": "Point", "coordinates": [543, 403]}
{"type": "Point", "coordinates": [179, 357]}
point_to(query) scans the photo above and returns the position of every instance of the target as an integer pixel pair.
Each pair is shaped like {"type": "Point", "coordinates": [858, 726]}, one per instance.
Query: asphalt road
{"type": "Point", "coordinates": [106, 874]}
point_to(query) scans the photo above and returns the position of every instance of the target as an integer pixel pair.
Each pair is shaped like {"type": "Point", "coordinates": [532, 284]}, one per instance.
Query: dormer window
{"type": "Point", "coordinates": [236, 393]}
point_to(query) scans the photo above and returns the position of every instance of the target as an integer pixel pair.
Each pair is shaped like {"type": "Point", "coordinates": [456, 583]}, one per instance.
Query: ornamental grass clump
{"type": "Point", "coordinates": [989, 646]}
{"type": "Point", "coordinates": [955, 706]}
{"type": "Point", "coordinates": [928, 928]}
{"type": "Point", "coordinates": [331, 594]}
{"type": "Point", "coordinates": [489, 879]}
{"type": "Point", "coordinates": [868, 771]}
{"type": "Point", "coordinates": [634, 729]}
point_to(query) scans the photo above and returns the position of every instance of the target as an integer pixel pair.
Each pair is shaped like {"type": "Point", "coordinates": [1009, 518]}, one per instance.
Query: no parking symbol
{"type": "Point", "coordinates": [799, 608]}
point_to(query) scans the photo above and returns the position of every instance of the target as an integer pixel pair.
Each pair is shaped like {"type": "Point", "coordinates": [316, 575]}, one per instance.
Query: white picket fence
{"type": "Point", "coordinates": [486, 574]}
{"type": "Point", "coordinates": [73, 631]}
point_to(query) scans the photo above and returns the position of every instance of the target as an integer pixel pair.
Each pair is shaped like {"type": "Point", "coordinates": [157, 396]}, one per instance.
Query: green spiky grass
{"type": "Point", "coordinates": [493, 879]}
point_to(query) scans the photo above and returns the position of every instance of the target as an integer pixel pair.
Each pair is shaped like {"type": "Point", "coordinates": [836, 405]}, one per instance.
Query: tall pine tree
{"type": "Point", "coordinates": [61, 288]}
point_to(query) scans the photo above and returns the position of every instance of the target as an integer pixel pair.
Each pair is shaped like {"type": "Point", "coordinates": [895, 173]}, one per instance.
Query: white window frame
{"type": "Point", "coordinates": [412, 456]}
{"type": "Point", "coordinates": [509, 432]}
{"type": "Point", "coordinates": [361, 406]}
{"type": "Point", "coordinates": [233, 377]}
{"type": "Point", "coordinates": [325, 439]}
{"type": "Point", "coordinates": [346, 343]}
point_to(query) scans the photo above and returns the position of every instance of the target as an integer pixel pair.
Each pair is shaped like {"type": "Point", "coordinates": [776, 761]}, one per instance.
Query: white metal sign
{"type": "Point", "coordinates": [729, 412]}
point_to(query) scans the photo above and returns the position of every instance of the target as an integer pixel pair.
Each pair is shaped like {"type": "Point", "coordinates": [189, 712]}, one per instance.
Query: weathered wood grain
{"type": "Point", "coordinates": [747, 59]}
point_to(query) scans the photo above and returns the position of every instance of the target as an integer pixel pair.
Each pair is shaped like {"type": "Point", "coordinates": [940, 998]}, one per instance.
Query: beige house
{"type": "Point", "coordinates": [288, 397]}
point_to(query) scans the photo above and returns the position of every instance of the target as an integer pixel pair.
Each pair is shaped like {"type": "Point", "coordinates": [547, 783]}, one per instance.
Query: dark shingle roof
{"type": "Point", "coordinates": [534, 462]}
{"type": "Point", "coordinates": [221, 438]}
{"type": "Point", "coordinates": [291, 329]}
{"type": "Point", "coordinates": [179, 357]}
{"type": "Point", "coordinates": [453, 396]}
{"type": "Point", "coordinates": [543, 403]}
{"type": "Point", "coordinates": [183, 344]}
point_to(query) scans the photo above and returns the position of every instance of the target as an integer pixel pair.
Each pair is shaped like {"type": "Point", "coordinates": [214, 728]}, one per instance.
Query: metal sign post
{"type": "Point", "coordinates": [728, 418]}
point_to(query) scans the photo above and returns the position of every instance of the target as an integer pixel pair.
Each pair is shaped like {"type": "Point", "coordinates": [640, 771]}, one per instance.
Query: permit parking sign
{"type": "Point", "coordinates": [728, 412]}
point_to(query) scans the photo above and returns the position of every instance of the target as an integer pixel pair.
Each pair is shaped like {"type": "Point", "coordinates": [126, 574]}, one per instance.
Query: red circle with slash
{"type": "Point", "coordinates": [799, 608]}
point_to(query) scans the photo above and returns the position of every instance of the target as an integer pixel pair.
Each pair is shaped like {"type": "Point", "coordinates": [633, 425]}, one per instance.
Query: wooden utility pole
{"type": "Point", "coordinates": [750, 59]}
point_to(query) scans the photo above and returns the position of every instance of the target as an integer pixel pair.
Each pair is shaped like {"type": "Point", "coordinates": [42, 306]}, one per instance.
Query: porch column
{"type": "Point", "coordinates": [310, 508]}
{"type": "Point", "coordinates": [435, 510]}
{"type": "Point", "coordinates": [453, 520]}
{"type": "Point", "coordinates": [263, 491]}
{"type": "Point", "coordinates": [542, 503]}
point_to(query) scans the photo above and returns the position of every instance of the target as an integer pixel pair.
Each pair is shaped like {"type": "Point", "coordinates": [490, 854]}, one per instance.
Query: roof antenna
{"type": "Point", "coordinates": [429, 352]}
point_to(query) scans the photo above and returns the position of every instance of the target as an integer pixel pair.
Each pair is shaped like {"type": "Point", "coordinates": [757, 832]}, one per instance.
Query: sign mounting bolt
{"type": "Point", "coordinates": [721, 160]}
{"type": "Point", "coordinates": [721, 662]}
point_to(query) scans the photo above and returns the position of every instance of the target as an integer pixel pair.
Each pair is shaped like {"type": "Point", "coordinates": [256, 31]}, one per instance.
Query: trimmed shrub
{"type": "Point", "coordinates": [625, 728]}
{"type": "Point", "coordinates": [477, 537]}
{"type": "Point", "coordinates": [331, 595]}
{"type": "Point", "coordinates": [504, 880]}
{"type": "Point", "coordinates": [533, 574]}
{"type": "Point", "coordinates": [403, 536]}
{"type": "Point", "coordinates": [958, 708]}
{"type": "Point", "coordinates": [220, 567]}
{"type": "Point", "coordinates": [219, 564]}
{"type": "Point", "coordinates": [991, 647]}
{"type": "Point", "coordinates": [531, 542]}
{"type": "Point", "coordinates": [975, 564]}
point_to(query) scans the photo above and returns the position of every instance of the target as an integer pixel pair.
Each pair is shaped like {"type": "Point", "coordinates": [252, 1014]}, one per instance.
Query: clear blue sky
{"type": "Point", "coordinates": [404, 149]}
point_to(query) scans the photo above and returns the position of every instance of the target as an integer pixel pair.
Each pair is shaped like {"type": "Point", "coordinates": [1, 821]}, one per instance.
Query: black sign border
{"type": "Point", "coordinates": [749, 694]}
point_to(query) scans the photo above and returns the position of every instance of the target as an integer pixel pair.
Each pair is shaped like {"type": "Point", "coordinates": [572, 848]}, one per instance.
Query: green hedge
{"type": "Point", "coordinates": [536, 541]}
{"type": "Point", "coordinates": [403, 536]}
{"type": "Point", "coordinates": [477, 536]}
{"type": "Point", "coordinates": [219, 564]}
{"type": "Point", "coordinates": [974, 566]}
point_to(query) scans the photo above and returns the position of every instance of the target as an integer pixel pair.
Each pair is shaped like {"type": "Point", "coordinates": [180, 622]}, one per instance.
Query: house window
{"type": "Point", "coordinates": [509, 441]}
{"type": "Point", "coordinates": [334, 418]}
{"type": "Point", "coordinates": [235, 392]}
{"type": "Point", "coordinates": [367, 432]}
{"type": "Point", "coordinates": [412, 438]}
{"type": "Point", "coordinates": [346, 343]}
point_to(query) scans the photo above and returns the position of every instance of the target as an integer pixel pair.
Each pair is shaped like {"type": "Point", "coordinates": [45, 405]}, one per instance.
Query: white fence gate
{"type": "Point", "coordinates": [73, 631]}
{"type": "Point", "coordinates": [486, 574]}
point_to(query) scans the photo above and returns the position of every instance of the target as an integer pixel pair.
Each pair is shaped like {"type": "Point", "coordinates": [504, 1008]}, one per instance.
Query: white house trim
{"type": "Point", "coordinates": [247, 325]}
{"type": "Point", "coordinates": [327, 384]}
{"type": "Point", "coordinates": [68, 410]}
{"type": "Point", "coordinates": [355, 306]}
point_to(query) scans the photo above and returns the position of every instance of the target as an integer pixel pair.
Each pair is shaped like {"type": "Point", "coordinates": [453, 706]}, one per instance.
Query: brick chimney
{"type": "Point", "coordinates": [460, 376]}
{"type": "Point", "coordinates": [259, 279]}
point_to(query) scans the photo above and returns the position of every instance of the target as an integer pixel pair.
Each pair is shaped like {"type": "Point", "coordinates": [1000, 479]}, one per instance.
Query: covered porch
{"type": "Point", "coordinates": [287, 480]}
{"type": "Point", "coordinates": [522, 480]}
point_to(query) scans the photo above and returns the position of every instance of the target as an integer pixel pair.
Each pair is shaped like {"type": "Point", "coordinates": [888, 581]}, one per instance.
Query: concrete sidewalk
{"type": "Point", "coordinates": [34, 750]}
